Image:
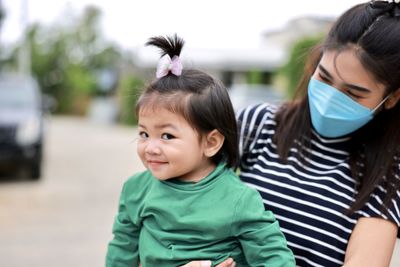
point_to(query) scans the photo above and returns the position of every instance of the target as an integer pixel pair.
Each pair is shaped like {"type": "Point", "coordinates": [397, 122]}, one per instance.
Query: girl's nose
{"type": "Point", "coordinates": [152, 147]}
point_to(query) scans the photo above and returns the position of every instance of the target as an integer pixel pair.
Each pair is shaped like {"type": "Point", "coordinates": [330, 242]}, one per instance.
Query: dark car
{"type": "Point", "coordinates": [21, 124]}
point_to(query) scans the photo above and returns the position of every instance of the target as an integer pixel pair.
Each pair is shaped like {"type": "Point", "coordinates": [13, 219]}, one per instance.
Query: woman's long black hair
{"type": "Point", "coordinates": [372, 30]}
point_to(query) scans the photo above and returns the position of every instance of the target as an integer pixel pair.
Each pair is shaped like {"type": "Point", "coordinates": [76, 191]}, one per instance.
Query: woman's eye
{"type": "Point", "coordinates": [351, 94]}
{"type": "Point", "coordinates": [324, 79]}
{"type": "Point", "coordinates": [143, 135]}
{"type": "Point", "coordinates": [167, 136]}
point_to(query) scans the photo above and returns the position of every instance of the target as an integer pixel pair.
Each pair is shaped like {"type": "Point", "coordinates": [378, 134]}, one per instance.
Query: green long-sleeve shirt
{"type": "Point", "coordinates": [170, 223]}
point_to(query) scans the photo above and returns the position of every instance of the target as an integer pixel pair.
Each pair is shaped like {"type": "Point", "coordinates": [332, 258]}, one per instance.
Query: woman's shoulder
{"type": "Point", "coordinates": [375, 206]}
{"type": "Point", "coordinates": [257, 113]}
{"type": "Point", "coordinates": [255, 123]}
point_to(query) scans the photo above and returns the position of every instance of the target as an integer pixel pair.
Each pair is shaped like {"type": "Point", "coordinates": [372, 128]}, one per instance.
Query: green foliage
{"type": "Point", "coordinates": [254, 77]}
{"type": "Point", "coordinates": [66, 57]}
{"type": "Point", "coordinates": [293, 69]}
{"type": "Point", "coordinates": [129, 92]}
{"type": "Point", "coordinates": [81, 84]}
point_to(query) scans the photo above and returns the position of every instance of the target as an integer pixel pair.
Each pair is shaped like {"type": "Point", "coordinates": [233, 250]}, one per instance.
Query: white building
{"type": "Point", "coordinates": [232, 65]}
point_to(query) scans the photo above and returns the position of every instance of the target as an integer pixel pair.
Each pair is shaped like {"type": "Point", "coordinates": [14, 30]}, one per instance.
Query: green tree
{"type": "Point", "coordinates": [67, 57]}
{"type": "Point", "coordinates": [129, 90]}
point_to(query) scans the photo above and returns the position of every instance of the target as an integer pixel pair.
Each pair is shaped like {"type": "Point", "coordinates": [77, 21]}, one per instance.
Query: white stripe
{"type": "Point", "coordinates": [243, 127]}
{"type": "Point", "coordinates": [312, 162]}
{"type": "Point", "coordinates": [305, 214]}
{"type": "Point", "coordinates": [311, 263]}
{"type": "Point", "coordinates": [382, 189]}
{"type": "Point", "coordinates": [330, 141]}
{"type": "Point", "coordinates": [311, 177]}
{"type": "Point", "coordinates": [314, 252]}
{"type": "Point", "coordinates": [378, 199]}
{"type": "Point", "coordinates": [396, 219]}
{"type": "Point", "coordinates": [363, 213]}
{"type": "Point", "coordinates": [307, 226]}
{"type": "Point", "coordinates": [396, 209]}
{"type": "Point", "coordinates": [268, 131]}
{"type": "Point", "coordinates": [337, 151]}
{"type": "Point", "coordinates": [247, 143]}
{"type": "Point", "coordinates": [319, 154]}
{"type": "Point", "coordinates": [259, 129]}
{"type": "Point", "coordinates": [297, 189]}
{"type": "Point", "coordinates": [306, 203]}
{"type": "Point", "coordinates": [314, 240]}
{"type": "Point", "coordinates": [327, 171]}
{"type": "Point", "coordinates": [319, 145]}
{"type": "Point", "coordinates": [320, 165]}
{"type": "Point", "coordinates": [377, 212]}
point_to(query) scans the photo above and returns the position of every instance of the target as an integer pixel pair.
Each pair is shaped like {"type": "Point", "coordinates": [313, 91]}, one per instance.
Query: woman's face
{"type": "Point", "coordinates": [344, 72]}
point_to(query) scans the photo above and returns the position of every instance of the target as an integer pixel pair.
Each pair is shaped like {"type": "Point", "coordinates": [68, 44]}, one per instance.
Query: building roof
{"type": "Point", "coordinates": [262, 58]}
{"type": "Point", "coordinates": [270, 55]}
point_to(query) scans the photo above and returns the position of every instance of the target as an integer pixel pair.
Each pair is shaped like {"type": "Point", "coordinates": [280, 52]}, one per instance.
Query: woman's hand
{"type": "Point", "coordinates": [226, 263]}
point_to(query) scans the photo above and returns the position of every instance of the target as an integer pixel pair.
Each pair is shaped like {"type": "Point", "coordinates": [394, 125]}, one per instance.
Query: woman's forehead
{"type": "Point", "coordinates": [345, 67]}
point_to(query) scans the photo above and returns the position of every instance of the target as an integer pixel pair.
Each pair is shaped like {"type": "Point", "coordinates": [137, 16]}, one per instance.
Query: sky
{"type": "Point", "coordinates": [203, 24]}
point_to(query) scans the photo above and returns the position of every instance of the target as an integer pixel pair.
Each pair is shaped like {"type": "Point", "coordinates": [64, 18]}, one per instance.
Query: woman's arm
{"type": "Point", "coordinates": [371, 243]}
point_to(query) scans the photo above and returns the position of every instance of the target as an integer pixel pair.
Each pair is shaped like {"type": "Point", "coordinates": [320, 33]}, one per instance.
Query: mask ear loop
{"type": "Point", "coordinates": [381, 103]}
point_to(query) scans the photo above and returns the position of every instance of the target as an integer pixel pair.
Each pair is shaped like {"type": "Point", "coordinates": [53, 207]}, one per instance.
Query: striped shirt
{"type": "Point", "coordinates": [309, 200]}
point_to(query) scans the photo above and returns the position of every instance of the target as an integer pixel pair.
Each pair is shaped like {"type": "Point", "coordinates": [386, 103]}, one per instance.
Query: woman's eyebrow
{"type": "Point", "coordinates": [358, 88]}
{"type": "Point", "coordinates": [326, 73]}
{"type": "Point", "coordinates": [351, 86]}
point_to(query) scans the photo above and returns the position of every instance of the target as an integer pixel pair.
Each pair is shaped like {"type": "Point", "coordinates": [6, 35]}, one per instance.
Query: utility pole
{"type": "Point", "coordinates": [24, 56]}
{"type": "Point", "coordinates": [1, 14]}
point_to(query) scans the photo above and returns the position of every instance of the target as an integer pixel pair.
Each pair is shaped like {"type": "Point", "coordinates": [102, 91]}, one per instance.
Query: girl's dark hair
{"type": "Point", "coordinates": [202, 100]}
{"type": "Point", "coordinates": [372, 30]}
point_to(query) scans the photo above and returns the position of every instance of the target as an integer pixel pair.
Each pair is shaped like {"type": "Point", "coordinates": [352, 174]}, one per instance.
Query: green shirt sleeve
{"type": "Point", "coordinates": [259, 234]}
{"type": "Point", "coordinates": [123, 248]}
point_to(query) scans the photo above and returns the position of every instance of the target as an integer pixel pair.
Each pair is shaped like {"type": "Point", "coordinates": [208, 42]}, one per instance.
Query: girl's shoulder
{"type": "Point", "coordinates": [139, 180]}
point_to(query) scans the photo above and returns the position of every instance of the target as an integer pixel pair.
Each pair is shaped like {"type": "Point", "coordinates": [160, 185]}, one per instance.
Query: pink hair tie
{"type": "Point", "coordinates": [166, 65]}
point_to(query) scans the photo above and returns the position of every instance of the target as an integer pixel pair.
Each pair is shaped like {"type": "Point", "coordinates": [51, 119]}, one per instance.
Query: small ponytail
{"type": "Point", "coordinates": [170, 45]}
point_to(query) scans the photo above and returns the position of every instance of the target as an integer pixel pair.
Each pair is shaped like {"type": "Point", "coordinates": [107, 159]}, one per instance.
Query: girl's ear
{"type": "Point", "coordinates": [393, 99]}
{"type": "Point", "coordinates": [213, 142]}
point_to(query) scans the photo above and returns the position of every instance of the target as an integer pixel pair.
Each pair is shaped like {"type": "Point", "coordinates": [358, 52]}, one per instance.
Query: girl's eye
{"type": "Point", "coordinates": [167, 136]}
{"type": "Point", "coordinates": [143, 135]}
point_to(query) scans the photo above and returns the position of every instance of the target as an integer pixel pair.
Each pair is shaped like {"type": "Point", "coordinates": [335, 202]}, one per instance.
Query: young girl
{"type": "Point", "coordinates": [189, 204]}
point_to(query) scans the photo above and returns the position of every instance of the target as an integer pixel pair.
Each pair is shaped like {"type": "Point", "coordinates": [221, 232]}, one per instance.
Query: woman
{"type": "Point", "coordinates": [328, 163]}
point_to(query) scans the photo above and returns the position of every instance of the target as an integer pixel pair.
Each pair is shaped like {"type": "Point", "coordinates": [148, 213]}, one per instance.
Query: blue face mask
{"type": "Point", "coordinates": [333, 113]}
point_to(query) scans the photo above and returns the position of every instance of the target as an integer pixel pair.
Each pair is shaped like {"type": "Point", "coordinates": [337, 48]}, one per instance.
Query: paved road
{"type": "Point", "coordinates": [65, 219]}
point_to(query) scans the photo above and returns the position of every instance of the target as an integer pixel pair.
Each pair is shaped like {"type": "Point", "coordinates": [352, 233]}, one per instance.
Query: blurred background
{"type": "Point", "coordinates": [70, 73]}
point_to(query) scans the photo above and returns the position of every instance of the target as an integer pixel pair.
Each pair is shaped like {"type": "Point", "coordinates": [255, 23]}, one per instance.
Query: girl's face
{"type": "Point", "coordinates": [344, 72]}
{"type": "Point", "coordinates": [170, 148]}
